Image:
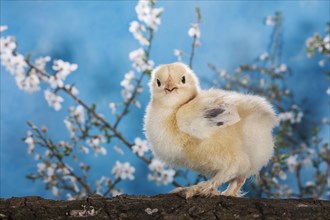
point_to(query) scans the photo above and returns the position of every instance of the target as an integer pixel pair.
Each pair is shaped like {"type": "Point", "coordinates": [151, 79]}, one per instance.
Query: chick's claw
{"type": "Point", "coordinates": [178, 190]}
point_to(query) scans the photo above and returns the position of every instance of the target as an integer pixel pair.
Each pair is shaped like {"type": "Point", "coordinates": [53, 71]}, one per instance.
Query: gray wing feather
{"type": "Point", "coordinates": [224, 115]}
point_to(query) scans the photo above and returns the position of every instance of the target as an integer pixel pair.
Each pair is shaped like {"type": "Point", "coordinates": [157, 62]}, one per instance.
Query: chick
{"type": "Point", "coordinates": [219, 134]}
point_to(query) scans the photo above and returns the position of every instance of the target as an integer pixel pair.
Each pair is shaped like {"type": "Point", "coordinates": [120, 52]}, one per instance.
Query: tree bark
{"type": "Point", "coordinates": [168, 206]}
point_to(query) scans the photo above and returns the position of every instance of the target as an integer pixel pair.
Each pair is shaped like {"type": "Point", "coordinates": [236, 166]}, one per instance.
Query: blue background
{"type": "Point", "coordinates": [94, 35]}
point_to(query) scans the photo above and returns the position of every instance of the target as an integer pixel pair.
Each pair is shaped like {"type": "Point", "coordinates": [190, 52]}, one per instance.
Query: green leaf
{"type": "Point", "coordinates": [147, 72]}
{"type": "Point", "coordinates": [28, 56]}
{"type": "Point", "coordinates": [67, 151]}
{"type": "Point", "coordinates": [31, 125]}
{"type": "Point", "coordinates": [94, 106]}
{"type": "Point", "coordinates": [198, 14]}
{"type": "Point", "coordinates": [31, 177]}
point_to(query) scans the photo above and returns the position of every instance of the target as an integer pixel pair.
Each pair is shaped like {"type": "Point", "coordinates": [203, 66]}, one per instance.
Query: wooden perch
{"type": "Point", "coordinates": [167, 206]}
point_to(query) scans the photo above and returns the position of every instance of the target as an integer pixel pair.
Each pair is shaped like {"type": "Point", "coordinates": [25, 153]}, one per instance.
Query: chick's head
{"type": "Point", "coordinates": [173, 85]}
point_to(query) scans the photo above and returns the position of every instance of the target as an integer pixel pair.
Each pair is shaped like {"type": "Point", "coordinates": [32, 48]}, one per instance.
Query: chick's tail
{"type": "Point", "coordinates": [261, 109]}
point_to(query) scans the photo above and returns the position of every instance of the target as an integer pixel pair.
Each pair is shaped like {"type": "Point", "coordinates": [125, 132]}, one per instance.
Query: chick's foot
{"type": "Point", "coordinates": [234, 187]}
{"type": "Point", "coordinates": [206, 189]}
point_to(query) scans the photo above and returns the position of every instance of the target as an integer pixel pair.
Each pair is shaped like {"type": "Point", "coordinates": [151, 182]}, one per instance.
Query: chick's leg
{"type": "Point", "coordinates": [207, 188]}
{"type": "Point", "coordinates": [234, 187]}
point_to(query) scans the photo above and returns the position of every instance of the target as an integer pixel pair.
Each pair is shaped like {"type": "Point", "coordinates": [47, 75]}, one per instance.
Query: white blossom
{"type": "Point", "coordinates": [197, 43]}
{"type": "Point", "coordinates": [178, 53]}
{"type": "Point", "coordinates": [223, 73]}
{"type": "Point", "coordinates": [72, 89]}
{"type": "Point", "coordinates": [48, 153]}
{"type": "Point", "coordinates": [100, 150]}
{"type": "Point", "coordinates": [128, 87]}
{"type": "Point", "coordinates": [73, 181]}
{"type": "Point", "coordinates": [299, 117]}
{"type": "Point", "coordinates": [113, 107]}
{"type": "Point", "coordinates": [307, 160]}
{"type": "Point", "coordinates": [29, 83]}
{"type": "Point", "coordinates": [116, 192]}
{"type": "Point", "coordinates": [100, 182]}
{"type": "Point", "coordinates": [123, 170]}
{"type": "Point", "coordinates": [167, 176]}
{"type": "Point", "coordinates": [63, 144]}
{"type": "Point", "coordinates": [282, 68]}
{"type": "Point", "coordinates": [55, 81]}
{"type": "Point", "coordinates": [8, 45]}
{"type": "Point", "coordinates": [83, 166]}
{"type": "Point", "coordinates": [310, 183]}
{"type": "Point", "coordinates": [310, 42]}
{"type": "Point", "coordinates": [274, 179]}
{"type": "Point", "coordinates": [30, 142]}
{"type": "Point", "coordinates": [245, 81]}
{"type": "Point", "coordinates": [127, 81]}
{"type": "Point", "coordinates": [37, 157]}
{"type": "Point", "coordinates": [238, 70]}
{"type": "Point", "coordinates": [126, 94]}
{"type": "Point", "coordinates": [140, 146]}
{"type": "Point", "coordinates": [41, 168]}
{"type": "Point", "coordinates": [51, 170]}
{"type": "Point", "coordinates": [137, 30]}
{"type": "Point", "coordinates": [65, 170]}
{"type": "Point", "coordinates": [53, 100]}
{"type": "Point", "coordinates": [159, 174]}
{"type": "Point", "coordinates": [118, 149]}
{"type": "Point", "coordinates": [3, 28]}
{"type": "Point", "coordinates": [325, 120]}
{"type": "Point", "coordinates": [194, 31]}
{"type": "Point", "coordinates": [292, 162]}
{"type": "Point", "coordinates": [79, 113]}
{"type": "Point", "coordinates": [69, 126]}
{"type": "Point", "coordinates": [41, 62]}
{"type": "Point", "coordinates": [328, 91]}
{"type": "Point", "coordinates": [156, 165]}
{"type": "Point", "coordinates": [138, 57]}
{"type": "Point", "coordinates": [29, 133]}
{"type": "Point", "coordinates": [262, 82]}
{"type": "Point", "coordinates": [47, 171]}
{"type": "Point", "coordinates": [137, 104]}
{"type": "Point", "coordinates": [326, 42]}
{"type": "Point", "coordinates": [95, 142]}
{"type": "Point", "coordinates": [282, 175]}
{"type": "Point", "coordinates": [269, 21]}
{"type": "Point", "coordinates": [149, 15]}
{"type": "Point", "coordinates": [14, 62]}
{"type": "Point", "coordinates": [322, 62]}
{"type": "Point", "coordinates": [55, 191]}
{"type": "Point", "coordinates": [291, 116]}
{"type": "Point", "coordinates": [263, 56]}
{"type": "Point", "coordinates": [84, 149]}
{"type": "Point", "coordinates": [63, 69]}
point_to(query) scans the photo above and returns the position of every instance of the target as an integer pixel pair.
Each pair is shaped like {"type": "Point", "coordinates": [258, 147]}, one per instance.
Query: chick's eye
{"type": "Point", "coordinates": [158, 83]}
{"type": "Point", "coordinates": [183, 80]}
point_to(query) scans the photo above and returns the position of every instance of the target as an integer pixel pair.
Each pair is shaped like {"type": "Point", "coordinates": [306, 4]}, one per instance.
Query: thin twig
{"type": "Point", "coordinates": [193, 46]}
{"type": "Point", "coordinates": [60, 159]}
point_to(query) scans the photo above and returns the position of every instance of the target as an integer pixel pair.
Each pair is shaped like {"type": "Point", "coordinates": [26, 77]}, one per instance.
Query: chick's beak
{"type": "Point", "coordinates": [170, 86]}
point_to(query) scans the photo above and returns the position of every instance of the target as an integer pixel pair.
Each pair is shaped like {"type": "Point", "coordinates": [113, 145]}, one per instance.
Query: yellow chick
{"type": "Point", "coordinates": [220, 134]}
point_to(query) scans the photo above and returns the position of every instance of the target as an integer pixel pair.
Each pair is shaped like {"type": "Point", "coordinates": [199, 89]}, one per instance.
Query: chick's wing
{"type": "Point", "coordinates": [204, 115]}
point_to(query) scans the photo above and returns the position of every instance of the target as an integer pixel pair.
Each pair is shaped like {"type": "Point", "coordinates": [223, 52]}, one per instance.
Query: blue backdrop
{"type": "Point", "coordinates": [94, 35]}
